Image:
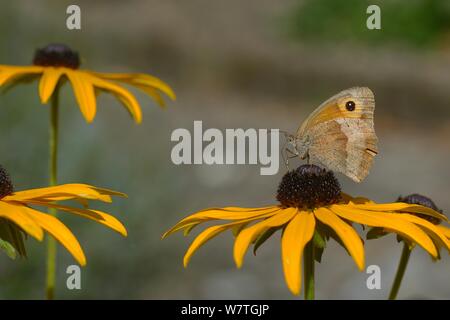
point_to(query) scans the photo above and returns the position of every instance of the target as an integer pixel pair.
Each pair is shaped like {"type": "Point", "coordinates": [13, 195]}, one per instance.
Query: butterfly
{"type": "Point", "coordinates": [339, 134]}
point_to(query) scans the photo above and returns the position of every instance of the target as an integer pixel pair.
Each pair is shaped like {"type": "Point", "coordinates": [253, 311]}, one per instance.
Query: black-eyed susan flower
{"type": "Point", "coordinates": [17, 208]}
{"type": "Point", "coordinates": [311, 207]}
{"type": "Point", "coordinates": [57, 63]}
{"type": "Point", "coordinates": [429, 224]}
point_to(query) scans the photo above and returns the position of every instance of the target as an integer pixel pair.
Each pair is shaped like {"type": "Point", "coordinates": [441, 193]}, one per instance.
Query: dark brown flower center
{"type": "Point", "coordinates": [6, 186]}
{"type": "Point", "coordinates": [56, 55]}
{"type": "Point", "coordinates": [309, 186]}
{"type": "Point", "coordinates": [423, 201]}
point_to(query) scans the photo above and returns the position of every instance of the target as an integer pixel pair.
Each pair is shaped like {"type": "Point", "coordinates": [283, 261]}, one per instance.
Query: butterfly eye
{"type": "Point", "coordinates": [350, 105]}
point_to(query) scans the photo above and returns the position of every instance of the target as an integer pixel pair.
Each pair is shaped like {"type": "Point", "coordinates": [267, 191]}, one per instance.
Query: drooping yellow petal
{"type": "Point", "coordinates": [228, 213]}
{"type": "Point", "coordinates": [140, 80]}
{"type": "Point", "coordinates": [124, 96]}
{"type": "Point", "coordinates": [237, 229]}
{"type": "Point", "coordinates": [445, 230]}
{"type": "Point", "coordinates": [130, 107]}
{"type": "Point", "coordinates": [95, 215]}
{"type": "Point", "coordinates": [388, 221]}
{"type": "Point", "coordinates": [345, 232]}
{"type": "Point", "coordinates": [61, 233]}
{"type": "Point", "coordinates": [188, 230]}
{"type": "Point", "coordinates": [83, 88]}
{"type": "Point", "coordinates": [63, 192]}
{"type": "Point", "coordinates": [11, 73]}
{"type": "Point", "coordinates": [295, 237]}
{"type": "Point", "coordinates": [205, 236]}
{"type": "Point", "coordinates": [18, 214]}
{"type": "Point", "coordinates": [152, 93]}
{"type": "Point", "coordinates": [107, 191]}
{"type": "Point", "coordinates": [248, 235]}
{"type": "Point", "coordinates": [95, 193]}
{"type": "Point", "coordinates": [48, 82]}
{"type": "Point", "coordinates": [430, 228]}
{"type": "Point", "coordinates": [402, 207]}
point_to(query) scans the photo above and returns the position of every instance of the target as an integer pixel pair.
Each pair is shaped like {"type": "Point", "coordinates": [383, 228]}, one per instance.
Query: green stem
{"type": "Point", "coordinates": [400, 271]}
{"type": "Point", "coordinates": [308, 264]}
{"type": "Point", "coordinates": [53, 144]}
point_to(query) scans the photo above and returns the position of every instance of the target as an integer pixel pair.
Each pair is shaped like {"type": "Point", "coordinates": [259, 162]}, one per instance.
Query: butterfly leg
{"type": "Point", "coordinates": [289, 154]}
{"type": "Point", "coordinates": [284, 154]}
{"type": "Point", "coordinates": [305, 156]}
{"type": "Point", "coordinates": [285, 158]}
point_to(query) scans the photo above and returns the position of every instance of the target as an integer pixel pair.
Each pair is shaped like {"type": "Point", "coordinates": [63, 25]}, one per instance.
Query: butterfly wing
{"type": "Point", "coordinates": [340, 133]}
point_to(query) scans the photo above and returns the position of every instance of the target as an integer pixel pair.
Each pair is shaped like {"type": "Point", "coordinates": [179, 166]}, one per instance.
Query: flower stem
{"type": "Point", "coordinates": [53, 167]}
{"type": "Point", "coordinates": [400, 271]}
{"type": "Point", "coordinates": [308, 262]}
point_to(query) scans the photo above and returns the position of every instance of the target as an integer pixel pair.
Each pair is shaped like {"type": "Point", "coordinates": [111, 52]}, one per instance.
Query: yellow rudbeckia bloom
{"type": "Point", "coordinates": [311, 206]}
{"type": "Point", "coordinates": [17, 209]}
{"type": "Point", "coordinates": [56, 63]}
{"type": "Point", "coordinates": [427, 202]}
{"type": "Point", "coordinates": [430, 224]}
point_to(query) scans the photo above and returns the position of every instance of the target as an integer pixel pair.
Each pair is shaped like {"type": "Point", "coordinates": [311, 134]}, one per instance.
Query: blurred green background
{"type": "Point", "coordinates": [233, 64]}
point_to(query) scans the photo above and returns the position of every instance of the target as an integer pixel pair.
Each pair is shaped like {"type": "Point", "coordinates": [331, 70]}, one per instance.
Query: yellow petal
{"type": "Point", "coordinates": [63, 192]}
{"type": "Point", "coordinates": [61, 233]}
{"type": "Point", "coordinates": [430, 228]}
{"type": "Point", "coordinates": [18, 214]}
{"type": "Point", "coordinates": [95, 215]}
{"type": "Point", "coordinates": [295, 237]}
{"type": "Point", "coordinates": [403, 207]}
{"type": "Point", "coordinates": [11, 73]}
{"type": "Point", "coordinates": [188, 230]}
{"type": "Point", "coordinates": [345, 232]}
{"type": "Point", "coordinates": [152, 93]}
{"type": "Point", "coordinates": [248, 235]}
{"type": "Point", "coordinates": [388, 221]}
{"type": "Point", "coordinates": [205, 236]}
{"type": "Point", "coordinates": [107, 191]}
{"type": "Point", "coordinates": [124, 96]}
{"type": "Point", "coordinates": [140, 80]}
{"type": "Point", "coordinates": [237, 229]}
{"type": "Point", "coordinates": [136, 114]}
{"type": "Point", "coordinates": [229, 213]}
{"type": "Point", "coordinates": [83, 88]}
{"type": "Point", "coordinates": [147, 83]}
{"type": "Point", "coordinates": [445, 230]}
{"type": "Point", "coordinates": [48, 82]}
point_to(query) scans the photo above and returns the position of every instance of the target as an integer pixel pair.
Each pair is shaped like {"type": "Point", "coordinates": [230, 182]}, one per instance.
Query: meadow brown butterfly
{"type": "Point", "coordinates": [339, 134]}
